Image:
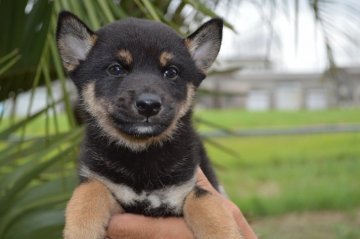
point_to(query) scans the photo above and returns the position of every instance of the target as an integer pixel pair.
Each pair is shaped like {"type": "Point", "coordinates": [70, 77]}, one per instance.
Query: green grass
{"type": "Point", "coordinates": [320, 225]}
{"type": "Point", "coordinates": [42, 125]}
{"type": "Point", "coordinates": [281, 174]}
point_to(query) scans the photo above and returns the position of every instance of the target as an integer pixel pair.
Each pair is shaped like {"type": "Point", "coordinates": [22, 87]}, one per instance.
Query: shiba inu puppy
{"type": "Point", "coordinates": [136, 81]}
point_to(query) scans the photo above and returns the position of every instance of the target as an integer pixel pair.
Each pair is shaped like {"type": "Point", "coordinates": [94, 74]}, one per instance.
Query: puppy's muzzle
{"type": "Point", "coordinates": [148, 104]}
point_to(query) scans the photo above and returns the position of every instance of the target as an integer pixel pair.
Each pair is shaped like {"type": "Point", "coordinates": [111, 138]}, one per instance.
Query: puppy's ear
{"type": "Point", "coordinates": [204, 43]}
{"type": "Point", "coordinates": [74, 40]}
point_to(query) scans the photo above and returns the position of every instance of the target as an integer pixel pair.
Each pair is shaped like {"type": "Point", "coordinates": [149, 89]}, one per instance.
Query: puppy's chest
{"type": "Point", "coordinates": [167, 201]}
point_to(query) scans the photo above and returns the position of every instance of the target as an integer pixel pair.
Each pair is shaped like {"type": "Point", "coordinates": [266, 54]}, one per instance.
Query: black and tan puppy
{"type": "Point", "coordinates": [136, 81]}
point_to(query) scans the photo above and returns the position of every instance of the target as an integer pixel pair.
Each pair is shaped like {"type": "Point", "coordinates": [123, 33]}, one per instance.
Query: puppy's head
{"type": "Point", "coordinates": [136, 78]}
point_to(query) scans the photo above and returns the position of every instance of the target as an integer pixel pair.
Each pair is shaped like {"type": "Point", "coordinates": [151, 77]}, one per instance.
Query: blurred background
{"type": "Point", "coordinates": [279, 111]}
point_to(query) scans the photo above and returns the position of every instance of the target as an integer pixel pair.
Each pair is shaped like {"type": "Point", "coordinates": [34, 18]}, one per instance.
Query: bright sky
{"type": "Point", "coordinates": [307, 53]}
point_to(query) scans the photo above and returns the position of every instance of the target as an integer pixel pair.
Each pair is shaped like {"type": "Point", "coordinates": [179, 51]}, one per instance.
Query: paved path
{"type": "Point", "coordinates": [318, 129]}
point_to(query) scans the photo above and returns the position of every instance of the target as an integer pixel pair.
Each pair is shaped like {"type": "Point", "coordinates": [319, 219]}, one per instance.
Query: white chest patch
{"type": "Point", "coordinates": [171, 196]}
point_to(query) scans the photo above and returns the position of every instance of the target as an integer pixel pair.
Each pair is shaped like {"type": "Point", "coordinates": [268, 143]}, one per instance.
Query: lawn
{"type": "Point", "coordinates": [280, 174]}
{"type": "Point", "coordinates": [300, 186]}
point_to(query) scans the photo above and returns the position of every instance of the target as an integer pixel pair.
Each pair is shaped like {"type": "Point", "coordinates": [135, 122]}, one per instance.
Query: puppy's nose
{"type": "Point", "coordinates": [148, 104]}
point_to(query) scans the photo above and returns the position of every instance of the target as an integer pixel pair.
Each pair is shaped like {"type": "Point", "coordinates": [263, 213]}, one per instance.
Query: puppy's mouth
{"type": "Point", "coordinates": [143, 129]}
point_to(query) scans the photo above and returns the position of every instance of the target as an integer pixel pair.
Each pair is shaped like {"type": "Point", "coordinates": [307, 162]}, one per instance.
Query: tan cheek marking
{"type": "Point", "coordinates": [126, 56]}
{"type": "Point", "coordinates": [184, 107]}
{"type": "Point", "coordinates": [99, 109]}
{"type": "Point", "coordinates": [89, 210]}
{"type": "Point", "coordinates": [182, 110]}
{"type": "Point", "coordinates": [165, 58]}
{"type": "Point", "coordinates": [96, 107]}
{"type": "Point", "coordinates": [208, 218]}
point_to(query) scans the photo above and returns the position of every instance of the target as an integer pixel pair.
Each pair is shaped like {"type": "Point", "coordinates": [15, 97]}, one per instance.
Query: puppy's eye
{"type": "Point", "coordinates": [116, 70]}
{"type": "Point", "coordinates": [171, 72]}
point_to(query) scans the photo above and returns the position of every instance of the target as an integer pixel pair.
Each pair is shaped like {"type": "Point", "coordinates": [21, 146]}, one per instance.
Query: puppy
{"type": "Point", "coordinates": [136, 81]}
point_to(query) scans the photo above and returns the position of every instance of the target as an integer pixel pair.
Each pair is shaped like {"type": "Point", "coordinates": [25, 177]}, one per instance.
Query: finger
{"type": "Point", "coordinates": [240, 220]}
{"type": "Point", "coordinates": [130, 226]}
{"type": "Point", "coordinates": [245, 228]}
{"type": "Point", "coordinates": [127, 226]}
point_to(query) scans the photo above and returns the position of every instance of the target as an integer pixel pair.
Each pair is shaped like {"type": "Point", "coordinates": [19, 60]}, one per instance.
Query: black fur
{"type": "Point", "coordinates": [158, 166]}
{"type": "Point", "coordinates": [173, 160]}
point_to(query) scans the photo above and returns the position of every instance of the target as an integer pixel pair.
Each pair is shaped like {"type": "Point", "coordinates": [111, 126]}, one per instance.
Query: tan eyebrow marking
{"type": "Point", "coordinates": [165, 57]}
{"type": "Point", "coordinates": [126, 56]}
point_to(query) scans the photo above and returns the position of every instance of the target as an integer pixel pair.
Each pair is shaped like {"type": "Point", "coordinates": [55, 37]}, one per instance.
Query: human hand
{"type": "Point", "coordinates": [131, 226]}
{"type": "Point", "coordinates": [245, 229]}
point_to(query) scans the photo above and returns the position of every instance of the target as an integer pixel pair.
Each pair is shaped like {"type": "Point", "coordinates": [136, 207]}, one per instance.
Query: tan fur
{"type": "Point", "coordinates": [188, 44]}
{"type": "Point", "coordinates": [126, 56]}
{"type": "Point", "coordinates": [165, 58]}
{"type": "Point", "coordinates": [69, 67]}
{"type": "Point", "coordinates": [93, 39]}
{"type": "Point", "coordinates": [99, 108]}
{"type": "Point", "coordinates": [187, 104]}
{"type": "Point", "coordinates": [207, 217]}
{"type": "Point", "coordinates": [89, 210]}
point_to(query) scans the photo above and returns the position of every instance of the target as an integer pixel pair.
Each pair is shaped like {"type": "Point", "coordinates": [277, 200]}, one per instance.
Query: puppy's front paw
{"type": "Point", "coordinates": [88, 211]}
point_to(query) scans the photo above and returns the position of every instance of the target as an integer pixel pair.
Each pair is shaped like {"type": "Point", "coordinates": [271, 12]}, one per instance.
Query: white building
{"type": "Point", "coordinates": [265, 90]}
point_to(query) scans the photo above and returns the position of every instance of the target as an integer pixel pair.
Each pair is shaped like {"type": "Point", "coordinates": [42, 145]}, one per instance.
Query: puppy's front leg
{"type": "Point", "coordinates": [89, 210]}
{"type": "Point", "coordinates": [207, 217]}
